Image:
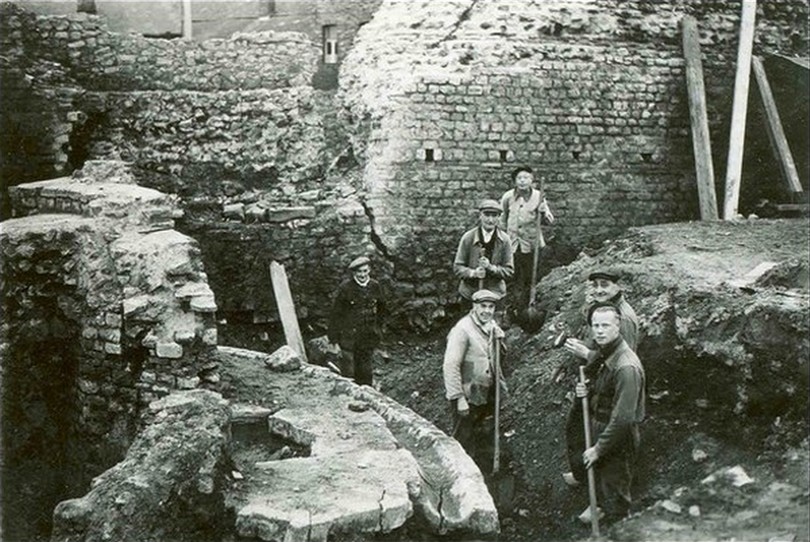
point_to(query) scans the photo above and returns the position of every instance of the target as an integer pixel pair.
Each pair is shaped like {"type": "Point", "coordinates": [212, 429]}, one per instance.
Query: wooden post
{"type": "Point", "coordinates": [776, 134]}
{"type": "Point", "coordinates": [496, 355]}
{"type": "Point", "coordinates": [286, 309]}
{"type": "Point", "coordinates": [186, 8]}
{"type": "Point", "coordinates": [701, 144]}
{"type": "Point", "coordinates": [739, 110]}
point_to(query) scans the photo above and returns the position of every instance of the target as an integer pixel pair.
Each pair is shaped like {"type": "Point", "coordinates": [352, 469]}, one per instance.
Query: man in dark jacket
{"type": "Point", "coordinates": [617, 407]}
{"type": "Point", "coordinates": [484, 255]}
{"type": "Point", "coordinates": [603, 287]}
{"type": "Point", "coordinates": [356, 320]}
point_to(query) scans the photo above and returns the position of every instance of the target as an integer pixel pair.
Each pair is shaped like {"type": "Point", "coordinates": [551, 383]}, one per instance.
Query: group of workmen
{"type": "Point", "coordinates": [502, 248]}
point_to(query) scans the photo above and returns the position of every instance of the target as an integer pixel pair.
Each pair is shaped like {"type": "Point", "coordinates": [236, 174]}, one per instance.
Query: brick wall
{"type": "Point", "coordinates": [592, 96]}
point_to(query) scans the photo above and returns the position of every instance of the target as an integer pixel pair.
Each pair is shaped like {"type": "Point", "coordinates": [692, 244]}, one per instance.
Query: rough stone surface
{"type": "Point", "coordinates": [313, 408]}
{"type": "Point", "coordinates": [175, 464]}
{"type": "Point", "coordinates": [311, 499]}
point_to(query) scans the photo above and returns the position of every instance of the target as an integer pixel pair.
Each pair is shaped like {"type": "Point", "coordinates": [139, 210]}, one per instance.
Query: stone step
{"type": "Point", "coordinates": [309, 499]}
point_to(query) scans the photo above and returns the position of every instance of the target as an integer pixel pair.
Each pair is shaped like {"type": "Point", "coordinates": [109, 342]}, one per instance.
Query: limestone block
{"type": "Point", "coordinates": [367, 492]}
{"type": "Point", "coordinates": [193, 289]}
{"type": "Point", "coordinates": [203, 303]}
{"type": "Point", "coordinates": [235, 211]}
{"type": "Point", "coordinates": [135, 305]}
{"type": "Point", "coordinates": [283, 360]}
{"type": "Point", "coordinates": [243, 413]}
{"type": "Point", "coordinates": [170, 350]}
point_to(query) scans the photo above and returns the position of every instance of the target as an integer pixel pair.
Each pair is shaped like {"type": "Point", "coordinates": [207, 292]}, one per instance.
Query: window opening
{"type": "Point", "coordinates": [330, 44]}
{"type": "Point", "coordinates": [429, 155]}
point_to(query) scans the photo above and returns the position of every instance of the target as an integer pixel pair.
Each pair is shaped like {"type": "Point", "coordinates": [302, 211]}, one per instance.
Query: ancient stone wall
{"type": "Point", "coordinates": [106, 309]}
{"type": "Point", "coordinates": [446, 99]}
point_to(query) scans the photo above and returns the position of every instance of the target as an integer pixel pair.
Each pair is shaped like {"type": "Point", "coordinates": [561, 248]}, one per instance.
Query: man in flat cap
{"type": "Point", "coordinates": [469, 381]}
{"type": "Point", "coordinates": [602, 288]}
{"type": "Point", "coordinates": [356, 320]}
{"type": "Point", "coordinates": [484, 255]}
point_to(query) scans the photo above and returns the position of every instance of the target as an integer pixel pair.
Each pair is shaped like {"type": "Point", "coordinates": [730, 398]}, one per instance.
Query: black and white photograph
{"type": "Point", "coordinates": [405, 270]}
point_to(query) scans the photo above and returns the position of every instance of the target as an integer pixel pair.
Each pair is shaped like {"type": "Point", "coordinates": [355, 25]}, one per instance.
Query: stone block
{"type": "Point", "coordinates": [169, 350]}
{"type": "Point", "coordinates": [112, 348]}
{"type": "Point", "coordinates": [203, 303]}
{"type": "Point", "coordinates": [209, 336]}
{"type": "Point", "coordinates": [283, 360]}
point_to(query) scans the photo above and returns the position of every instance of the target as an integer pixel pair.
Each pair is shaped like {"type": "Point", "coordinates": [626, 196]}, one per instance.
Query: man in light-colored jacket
{"type": "Point", "coordinates": [469, 379]}
{"type": "Point", "coordinates": [522, 206]}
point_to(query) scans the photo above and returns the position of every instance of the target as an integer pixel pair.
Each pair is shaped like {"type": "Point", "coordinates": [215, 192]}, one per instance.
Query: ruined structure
{"type": "Point", "coordinates": [437, 104]}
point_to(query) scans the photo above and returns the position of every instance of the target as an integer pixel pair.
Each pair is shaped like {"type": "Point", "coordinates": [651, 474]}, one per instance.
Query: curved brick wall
{"type": "Point", "coordinates": [592, 95]}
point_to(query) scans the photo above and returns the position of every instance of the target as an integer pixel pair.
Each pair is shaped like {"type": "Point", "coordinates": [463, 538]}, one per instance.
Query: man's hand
{"type": "Point", "coordinates": [479, 273]}
{"type": "Point", "coordinates": [462, 407]}
{"type": "Point", "coordinates": [549, 217]}
{"type": "Point", "coordinates": [577, 347]}
{"type": "Point", "coordinates": [484, 262]}
{"type": "Point", "coordinates": [590, 456]}
{"type": "Point", "coordinates": [581, 390]}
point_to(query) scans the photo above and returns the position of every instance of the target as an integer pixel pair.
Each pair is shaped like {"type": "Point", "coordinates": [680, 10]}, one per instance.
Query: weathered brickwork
{"type": "Point", "coordinates": [104, 60]}
{"type": "Point", "coordinates": [105, 299]}
{"type": "Point", "coordinates": [440, 101]}
{"type": "Point", "coordinates": [451, 97]}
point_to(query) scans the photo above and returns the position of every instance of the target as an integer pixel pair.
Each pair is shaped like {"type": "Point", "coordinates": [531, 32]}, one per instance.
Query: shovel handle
{"type": "Point", "coordinates": [496, 456]}
{"type": "Point", "coordinates": [586, 418]}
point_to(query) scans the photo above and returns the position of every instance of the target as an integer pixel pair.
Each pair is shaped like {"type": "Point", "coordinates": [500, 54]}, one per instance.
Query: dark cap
{"type": "Point", "coordinates": [608, 274]}
{"type": "Point", "coordinates": [490, 205]}
{"type": "Point", "coordinates": [359, 262]}
{"type": "Point", "coordinates": [485, 295]}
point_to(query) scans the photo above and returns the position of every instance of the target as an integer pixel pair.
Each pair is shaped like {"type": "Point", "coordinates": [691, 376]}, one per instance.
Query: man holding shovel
{"type": "Point", "coordinates": [616, 406]}
{"type": "Point", "coordinates": [469, 368]}
{"type": "Point", "coordinates": [603, 287]}
{"type": "Point", "coordinates": [524, 210]}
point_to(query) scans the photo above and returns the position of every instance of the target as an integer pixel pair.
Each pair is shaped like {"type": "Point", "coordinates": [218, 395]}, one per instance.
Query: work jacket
{"type": "Point", "coordinates": [470, 249]}
{"type": "Point", "coordinates": [519, 219]}
{"type": "Point", "coordinates": [618, 401]}
{"type": "Point", "coordinates": [357, 314]}
{"type": "Point", "coordinates": [469, 361]}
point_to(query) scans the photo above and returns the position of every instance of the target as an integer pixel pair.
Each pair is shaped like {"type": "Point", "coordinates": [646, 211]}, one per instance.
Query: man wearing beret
{"type": "Point", "coordinates": [356, 320]}
{"type": "Point", "coordinates": [469, 370]}
{"type": "Point", "coordinates": [484, 256]}
{"type": "Point", "coordinates": [603, 287]}
{"type": "Point", "coordinates": [617, 407]}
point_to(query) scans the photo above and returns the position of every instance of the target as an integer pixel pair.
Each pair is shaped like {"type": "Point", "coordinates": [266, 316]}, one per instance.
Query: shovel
{"type": "Point", "coordinates": [586, 416]}
{"type": "Point", "coordinates": [502, 484]}
{"type": "Point", "coordinates": [532, 318]}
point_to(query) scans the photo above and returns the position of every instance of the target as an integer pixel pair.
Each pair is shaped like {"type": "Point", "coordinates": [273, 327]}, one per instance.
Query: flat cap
{"type": "Point", "coordinates": [604, 273]}
{"type": "Point", "coordinates": [490, 205]}
{"type": "Point", "coordinates": [359, 262]}
{"type": "Point", "coordinates": [485, 295]}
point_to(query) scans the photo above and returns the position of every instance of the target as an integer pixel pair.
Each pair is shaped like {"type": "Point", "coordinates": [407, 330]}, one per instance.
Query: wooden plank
{"type": "Point", "coordinates": [776, 134]}
{"type": "Point", "coordinates": [739, 110]}
{"type": "Point", "coordinates": [701, 145]}
{"type": "Point", "coordinates": [286, 309]}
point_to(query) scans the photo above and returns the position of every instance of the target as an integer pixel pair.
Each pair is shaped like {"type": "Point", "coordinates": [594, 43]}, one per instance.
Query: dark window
{"type": "Point", "coordinates": [429, 155]}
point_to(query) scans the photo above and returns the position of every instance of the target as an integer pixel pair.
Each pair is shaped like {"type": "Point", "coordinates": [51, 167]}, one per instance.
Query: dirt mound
{"type": "Point", "coordinates": [724, 321]}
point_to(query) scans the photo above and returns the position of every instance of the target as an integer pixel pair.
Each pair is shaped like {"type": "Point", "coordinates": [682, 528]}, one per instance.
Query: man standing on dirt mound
{"type": "Point", "coordinates": [484, 255]}
{"type": "Point", "coordinates": [524, 210]}
{"type": "Point", "coordinates": [617, 407]}
{"type": "Point", "coordinates": [603, 287]}
{"type": "Point", "coordinates": [469, 368]}
{"type": "Point", "coordinates": [356, 320]}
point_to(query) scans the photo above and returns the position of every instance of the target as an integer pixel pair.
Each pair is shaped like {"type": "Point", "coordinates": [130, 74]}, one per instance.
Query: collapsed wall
{"type": "Point", "coordinates": [106, 309]}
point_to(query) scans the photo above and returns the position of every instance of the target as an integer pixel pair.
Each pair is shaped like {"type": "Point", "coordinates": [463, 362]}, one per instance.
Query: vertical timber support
{"type": "Point", "coordinates": [286, 309]}
{"type": "Point", "coordinates": [701, 143]}
{"type": "Point", "coordinates": [186, 7]}
{"type": "Point", "coordinates": [739, 110]}
{"type": "Point", "coordinates": [776, 134]}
